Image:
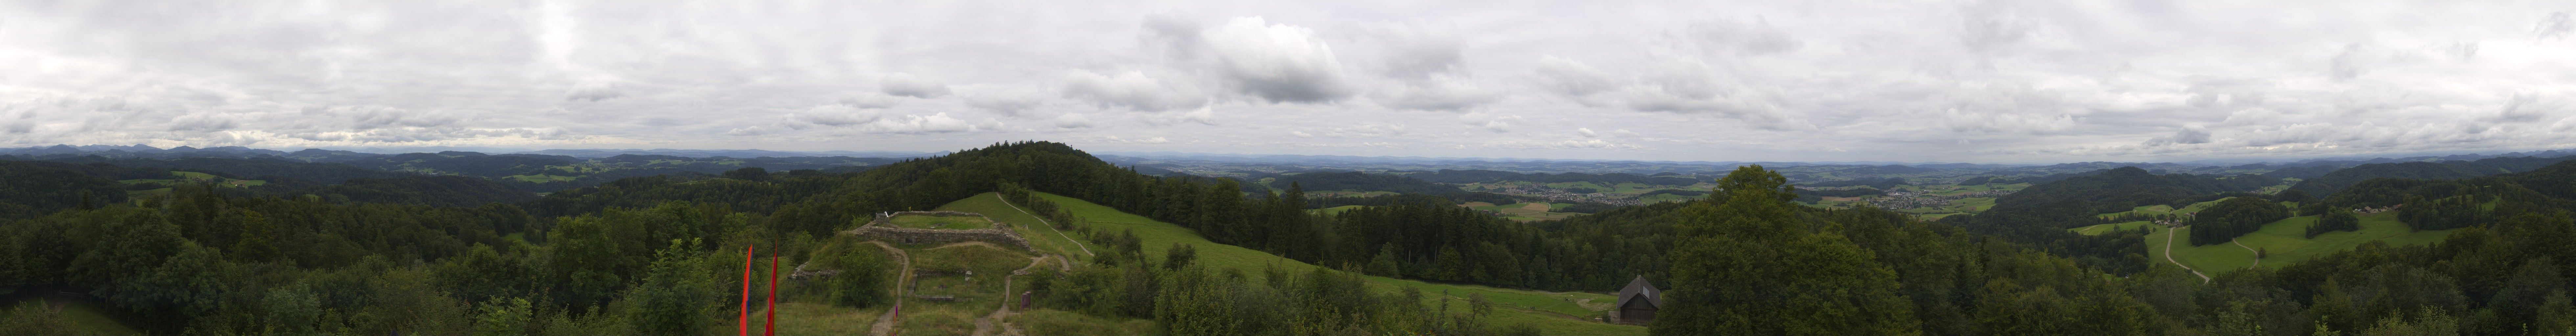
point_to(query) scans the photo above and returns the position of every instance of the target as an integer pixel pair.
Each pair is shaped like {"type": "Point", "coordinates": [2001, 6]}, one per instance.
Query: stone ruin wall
{"type": "Point", "coordinates": [999, 233]}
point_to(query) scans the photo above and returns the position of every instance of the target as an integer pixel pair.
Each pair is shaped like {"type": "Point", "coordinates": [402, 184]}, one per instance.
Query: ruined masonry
{"type": "Point", "coordinates": [881, 229]}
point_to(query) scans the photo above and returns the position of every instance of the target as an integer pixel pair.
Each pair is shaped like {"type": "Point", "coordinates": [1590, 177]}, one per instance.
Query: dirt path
{"type": "Point", "coordinates": [1043, 222]}
{"type": "Point", "coordinates": [886, 323]}
{"type": "Point", "coordinates": [2169, 236]}
{"type": "Point", "coordinates": [2258, 255]}
{"type": "Point", "coordinates": [988, 324]}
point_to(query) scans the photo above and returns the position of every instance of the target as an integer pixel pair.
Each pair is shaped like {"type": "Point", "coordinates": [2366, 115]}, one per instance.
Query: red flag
{"type": "Point", "coordinates": [745, 322]}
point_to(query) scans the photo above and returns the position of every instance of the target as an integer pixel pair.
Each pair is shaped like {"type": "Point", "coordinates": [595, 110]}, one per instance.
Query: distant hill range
{"type": "Point", "coordinates": [186, 151]}
{"type": "Point", "coordinates": [523, 171]}
{"type": "Point", "coordinates": [2337, 180]}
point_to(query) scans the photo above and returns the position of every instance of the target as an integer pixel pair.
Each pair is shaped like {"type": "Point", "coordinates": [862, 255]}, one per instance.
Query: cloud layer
{"type": "Point", "coordinates": [1977, 81]}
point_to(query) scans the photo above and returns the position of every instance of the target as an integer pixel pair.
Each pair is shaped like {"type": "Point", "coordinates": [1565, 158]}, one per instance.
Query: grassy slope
{"type": "Point", "coordinates": [2285, 238]}
{"type": "Point", "coordinates": [1041, 237]}
{"type": "Point", "coordinates": [1543, 309]}
{"type": "Point", "coordinates": [2285, 241]}
{"type": "Point", "coordinates": [86, 315]}
{"type": "Point", "coordinates": [2104, 228]}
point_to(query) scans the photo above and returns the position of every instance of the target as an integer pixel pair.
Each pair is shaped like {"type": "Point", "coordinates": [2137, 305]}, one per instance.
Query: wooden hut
{"type": "Point", "coordinates": [1637, 303]}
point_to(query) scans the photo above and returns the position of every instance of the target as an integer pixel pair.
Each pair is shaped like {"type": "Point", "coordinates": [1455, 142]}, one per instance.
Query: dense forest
{"type": "Point", "coordinates": [648, 255]}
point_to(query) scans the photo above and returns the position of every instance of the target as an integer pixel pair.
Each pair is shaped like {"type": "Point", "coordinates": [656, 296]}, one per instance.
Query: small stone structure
{"type": "Point", "coordinates": [882, 229]}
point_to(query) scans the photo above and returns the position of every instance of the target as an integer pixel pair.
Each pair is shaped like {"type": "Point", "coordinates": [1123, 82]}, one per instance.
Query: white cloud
{"type": "Point", "coordinates": [1204, 115]}
{"type": "Point", "coordinates": [1142, 140]}
{"type": "Point", "coordinates": [1495, 123]}
{"type": "Point", "coordinates": [1586, 132]}
{"type": "Point", "coordinates": [919, 124]}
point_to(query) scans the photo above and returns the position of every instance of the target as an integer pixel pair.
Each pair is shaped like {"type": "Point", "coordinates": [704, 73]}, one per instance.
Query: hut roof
{"type": "Point", "coordinates": [1654, 297]}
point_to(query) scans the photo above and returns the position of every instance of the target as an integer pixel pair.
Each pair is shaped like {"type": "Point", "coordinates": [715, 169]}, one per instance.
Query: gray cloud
{"type": "Point", "coordinates": [1742, 38]}
{"type": "Point", "coordinates": [2347, 65]}
{"type": "Point", "coordinates": [1277, 63]}
{"type": "Point", "coordinates": [1006, 105]}
{"type": "Point", "coordinates": [2187, 136]}
{"type": "Point", "coordinates": [908, 85]}
{"type": "Point", "coordinates": [592, 92]}
{"type": "Point", "coordinates": [2556, 26]}
{"type": "Point", "coordinates": [1572, 79]}
{"type": "Point", "coordinates": [201, 122]}
{"type": "Point", "coordinates": [1132, 90]}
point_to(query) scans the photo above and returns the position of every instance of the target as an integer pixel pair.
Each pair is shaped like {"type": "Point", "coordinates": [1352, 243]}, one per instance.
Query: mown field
{"type": "Point", "coordinates": [2107, 228]}
{"type": "Point", "coordinates": [1530, 211]}
{"type": "Point", "coordinates": [178, 178]}
{"type": "Point", "coordinates": [1552, 313]}
{"type": "Point", "coordinates": [2283, 241]}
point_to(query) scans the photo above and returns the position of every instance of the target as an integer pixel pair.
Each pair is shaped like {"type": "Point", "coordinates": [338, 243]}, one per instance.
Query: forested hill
{"type": "Point", "coordinates": [2337, 180]}
{"type": "Point", "coordinates": [36, 188]}
{"type": "Point", "coordinates": [249, 168]}
{"type": "Point", "coordinates": [2076, 200]}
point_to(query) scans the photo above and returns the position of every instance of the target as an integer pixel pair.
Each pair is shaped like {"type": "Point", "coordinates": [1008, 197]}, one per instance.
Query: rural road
{"type": "Point", "coordinates": [2169, 234]}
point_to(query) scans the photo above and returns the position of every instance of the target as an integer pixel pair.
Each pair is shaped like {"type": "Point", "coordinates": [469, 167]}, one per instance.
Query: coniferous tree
{"type": "Point", "coordinates": [1748, 266]}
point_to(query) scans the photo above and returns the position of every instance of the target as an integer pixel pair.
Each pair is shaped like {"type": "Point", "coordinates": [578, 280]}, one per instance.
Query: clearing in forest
{"type": "Point", "coordinates": [2284, 242]}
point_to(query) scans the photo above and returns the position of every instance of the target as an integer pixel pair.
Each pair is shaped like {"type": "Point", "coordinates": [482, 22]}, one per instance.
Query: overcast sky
{"type": "Point", "coordinates": [1955, 81]}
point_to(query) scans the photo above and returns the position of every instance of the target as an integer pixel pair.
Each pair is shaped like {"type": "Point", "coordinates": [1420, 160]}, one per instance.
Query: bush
{"type": "Point", "coordinates": [862, 279]}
